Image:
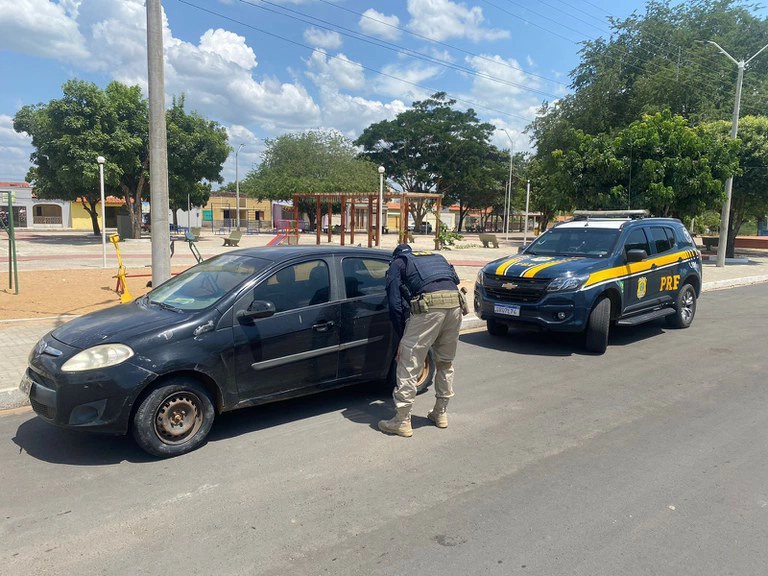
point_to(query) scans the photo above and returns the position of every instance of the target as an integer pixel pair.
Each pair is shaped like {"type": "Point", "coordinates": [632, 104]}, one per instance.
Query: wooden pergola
{"type": "Point", "coordinates": [369, 200]}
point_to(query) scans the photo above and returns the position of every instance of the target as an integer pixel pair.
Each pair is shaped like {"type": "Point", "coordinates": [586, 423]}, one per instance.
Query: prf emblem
{"type": "Point", "coordinates": [642, 285]}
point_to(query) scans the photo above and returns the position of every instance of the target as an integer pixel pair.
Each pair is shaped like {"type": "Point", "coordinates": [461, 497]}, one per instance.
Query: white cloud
{"type": "Point", "coordinates": [339, 71]}
{"type": "Point", "coordinates": [229, 46]}
{"type": "Point", "coordinates": [15, 149]}
{"type": "Point", "coordinates": [41, 28]}
{"type": "Point", "coordinates": [401, 81]}
{"type": "Point", "coordinates": [443, 19]}
{"type": "Point", "coordinates": [380, 25]}
{"type": "Point", "coordinates": [327, 39]}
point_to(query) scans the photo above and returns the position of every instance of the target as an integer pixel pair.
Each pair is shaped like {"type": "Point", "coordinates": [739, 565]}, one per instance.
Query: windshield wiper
{"type": "Point", "coordinates": [165, 306]}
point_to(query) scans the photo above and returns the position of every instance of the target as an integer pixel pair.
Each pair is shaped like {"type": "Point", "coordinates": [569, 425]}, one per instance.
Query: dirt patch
{"type": "Point", "coordinates": [45, 293]}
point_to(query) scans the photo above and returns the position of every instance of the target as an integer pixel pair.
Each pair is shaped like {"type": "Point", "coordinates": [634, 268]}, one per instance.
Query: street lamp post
{"type": "Point", "coordinates": [525, 227]}
{"type": "Point", "coordinates": [725, 216]}
{"type": "Point", "coordinates": [101, 161]}
{"type": "Point", "coordinates": [237, 186]}
{"type": "Point", "coordinates": [381, 208]}
{"type": "Point", "coordinates": [508, 195]}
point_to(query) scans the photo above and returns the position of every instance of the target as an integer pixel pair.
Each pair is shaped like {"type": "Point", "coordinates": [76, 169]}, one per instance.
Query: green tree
{"type": "Point", "coordinates": [434, 148]}
{"type": "Point", "coordinates": [313, 162]}
{"type": "Point", "coordinates": [197, 149]}
{"type": "Point", "coordinates": [69, 133]}
{"type": "Point", "coordinates": [749, 197]}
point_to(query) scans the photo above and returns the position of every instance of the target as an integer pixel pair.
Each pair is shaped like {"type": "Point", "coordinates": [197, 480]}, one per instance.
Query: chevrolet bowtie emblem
{"type": "Point", "coordinates": [509, 285]}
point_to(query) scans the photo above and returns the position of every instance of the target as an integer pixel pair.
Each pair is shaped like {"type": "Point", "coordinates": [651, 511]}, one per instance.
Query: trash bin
{"type": "Point", "coordinates": [124, 229]}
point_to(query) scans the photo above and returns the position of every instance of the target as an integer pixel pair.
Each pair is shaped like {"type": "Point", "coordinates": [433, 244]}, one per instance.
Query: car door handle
{"type": "Point", "coordinates": [323, 326]}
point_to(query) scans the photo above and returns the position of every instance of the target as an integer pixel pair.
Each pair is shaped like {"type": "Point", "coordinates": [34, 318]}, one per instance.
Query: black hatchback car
{"type": "Point", "coordinates": [247, 327]}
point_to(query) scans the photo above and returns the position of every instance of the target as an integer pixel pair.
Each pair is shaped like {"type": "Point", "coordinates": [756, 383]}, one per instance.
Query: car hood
{"type": "Point", "coordinates": [532, 266]}
{"type": "Point", "coordinates": [121, 323]}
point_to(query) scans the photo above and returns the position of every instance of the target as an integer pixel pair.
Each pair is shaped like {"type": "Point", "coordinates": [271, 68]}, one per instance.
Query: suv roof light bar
{"type": "Point", "coordinates": [587, 214]}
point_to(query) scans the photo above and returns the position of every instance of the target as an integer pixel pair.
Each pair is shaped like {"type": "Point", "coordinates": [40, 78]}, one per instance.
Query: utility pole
{"type": "Point", "coordinates": [508, 195]}
{"type": "Point", "coordinates": [725, 216]}
{"type": "Point", "coordinates": [158, 147]}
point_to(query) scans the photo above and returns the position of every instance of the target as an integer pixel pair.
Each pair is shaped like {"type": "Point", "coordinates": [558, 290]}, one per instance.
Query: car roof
{"type": "Point", "coordinates": [282, 253]}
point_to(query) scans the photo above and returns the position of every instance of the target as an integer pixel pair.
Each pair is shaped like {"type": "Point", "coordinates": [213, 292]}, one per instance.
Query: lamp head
{"type": "Point", "coordinates": [101, 159]}
{"type": "Point", "coordinates": [381, 170]}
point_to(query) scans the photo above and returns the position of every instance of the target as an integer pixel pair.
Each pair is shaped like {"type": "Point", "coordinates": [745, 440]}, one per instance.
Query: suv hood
{"type": "Point", "coordinates": [122, 323]}
{"type": "Point", "coordinates": [531, 266]}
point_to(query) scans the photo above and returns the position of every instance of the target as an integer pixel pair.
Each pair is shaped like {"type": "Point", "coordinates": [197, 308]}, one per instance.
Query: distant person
{"type": "Point", "coordinates": [425, 308]}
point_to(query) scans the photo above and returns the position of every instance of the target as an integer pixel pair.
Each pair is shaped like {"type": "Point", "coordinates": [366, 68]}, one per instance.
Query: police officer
{"type": "Point", "coordinates": [425, 307]}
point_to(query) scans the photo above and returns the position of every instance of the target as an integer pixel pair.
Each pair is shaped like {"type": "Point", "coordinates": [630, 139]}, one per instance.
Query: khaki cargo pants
{"type": "Point", "coordinates": [438, 328]}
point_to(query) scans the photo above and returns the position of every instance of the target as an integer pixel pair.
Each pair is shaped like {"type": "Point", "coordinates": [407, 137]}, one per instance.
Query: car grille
{"type": "Point", "coordinates": [525, 290]}
{"type": "Point", "coordinates": [48, 412]}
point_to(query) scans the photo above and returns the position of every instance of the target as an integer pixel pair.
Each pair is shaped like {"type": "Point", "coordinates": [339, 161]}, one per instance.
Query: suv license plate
{"type": "Point", "coordinates": [507, 309]}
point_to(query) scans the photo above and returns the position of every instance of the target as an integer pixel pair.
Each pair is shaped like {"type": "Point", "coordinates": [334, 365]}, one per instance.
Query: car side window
{"type": "Point", "coordinates": [662, 238]}
{"type": "Point", "coordinates": [637, 241]}
{"type": "Point", "coordinates": [364, 276]}
{"type": "Point", "coordinates": [296, 286]}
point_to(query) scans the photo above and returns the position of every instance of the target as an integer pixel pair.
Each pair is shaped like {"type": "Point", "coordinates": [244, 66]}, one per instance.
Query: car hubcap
{"type": "Point", "coordinates": [178, 418]}
{"type": "Point", "coordinates": [687, 311]}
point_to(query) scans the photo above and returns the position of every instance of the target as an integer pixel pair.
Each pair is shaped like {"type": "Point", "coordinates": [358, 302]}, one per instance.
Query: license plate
{"type": "Point", "coordinates": [507, 309]}
{"type": "Point", "coordinates": [26, 384]}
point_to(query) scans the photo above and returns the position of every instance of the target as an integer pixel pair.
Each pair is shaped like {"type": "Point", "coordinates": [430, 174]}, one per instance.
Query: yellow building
{"type": "Point", "coordinates": [81, 220]}
{"type": "Point", "coordinates": [221, 212]}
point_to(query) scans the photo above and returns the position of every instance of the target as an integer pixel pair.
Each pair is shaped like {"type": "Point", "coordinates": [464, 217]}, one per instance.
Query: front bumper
{"type": "Point", "coordinates": [557, 312]}
{"type": "Point", "coordinates": [94, 400]}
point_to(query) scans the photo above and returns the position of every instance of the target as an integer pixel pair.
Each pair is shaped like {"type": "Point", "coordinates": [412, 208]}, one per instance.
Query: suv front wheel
{"type": "Point", "coordinates": [685, 308]}
{"type": "Point", "coordinates": [598, 326]}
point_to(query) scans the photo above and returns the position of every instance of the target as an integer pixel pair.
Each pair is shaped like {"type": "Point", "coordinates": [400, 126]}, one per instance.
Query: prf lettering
{"type": "Point", "coordinates": [670, 282]}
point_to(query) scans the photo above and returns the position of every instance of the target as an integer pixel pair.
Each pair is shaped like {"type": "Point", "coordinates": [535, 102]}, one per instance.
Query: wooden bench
{"type": "Point", "coordinates": [489, 239]}
{"type": "Point", "coordinates": [234, 238]}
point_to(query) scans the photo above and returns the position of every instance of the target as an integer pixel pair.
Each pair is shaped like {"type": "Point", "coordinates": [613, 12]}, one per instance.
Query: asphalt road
{"type": "Point", "coordinates": [648, 460]}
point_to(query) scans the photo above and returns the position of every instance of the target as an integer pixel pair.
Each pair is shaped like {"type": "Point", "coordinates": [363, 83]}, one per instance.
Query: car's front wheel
{"type": "Point", "coordinates": [174, 418]}
{"type": "Point", "coordinates": [598, 326]}
{"type": "Point", "coordinates": [685, 308]}
{"type": "Point", "coordinates": [424, 380]}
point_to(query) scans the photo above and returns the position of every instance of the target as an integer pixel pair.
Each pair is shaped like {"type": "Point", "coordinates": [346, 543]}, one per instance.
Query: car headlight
{"type": "Point", "coordinates": [564, 283]}
{"type": "Point", "coordinates": [480, 278]}
{"type": "Point", "coordinates": [101, 356]}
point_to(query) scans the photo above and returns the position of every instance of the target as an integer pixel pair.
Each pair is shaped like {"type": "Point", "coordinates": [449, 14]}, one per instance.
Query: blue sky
{"type": "Point", "coordinates": [262, 68]}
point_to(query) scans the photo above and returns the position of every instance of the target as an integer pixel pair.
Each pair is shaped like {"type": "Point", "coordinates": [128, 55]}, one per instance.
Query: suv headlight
{"type": "Point", "coordinates": [480, 278]}
{"type": "Point", "coordinates": [566, 283]}
{"type": "Point", "coordinates": [101, 356]}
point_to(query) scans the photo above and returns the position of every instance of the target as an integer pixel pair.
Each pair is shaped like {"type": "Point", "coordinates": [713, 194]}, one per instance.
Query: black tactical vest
{"type": "Point", "coordinates": [425, 267]}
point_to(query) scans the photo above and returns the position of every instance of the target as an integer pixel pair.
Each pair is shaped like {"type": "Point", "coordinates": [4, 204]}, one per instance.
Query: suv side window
{"type": "Point", "coordinates": [637, 241]}
{"type": "Point", "coordinates": [662, 238]}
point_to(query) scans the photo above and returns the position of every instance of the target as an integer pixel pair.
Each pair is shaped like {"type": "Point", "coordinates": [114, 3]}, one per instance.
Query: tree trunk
{"type": "Point", "coordinates": [91, 209]}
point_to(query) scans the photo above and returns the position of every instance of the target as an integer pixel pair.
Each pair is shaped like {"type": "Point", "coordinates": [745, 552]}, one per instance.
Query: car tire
{"type": "Point", "coordinates": [173, 418]}
{"type": "Point", "coordinates": [685, 308]}
{"type": "Point", "coordinates": [597, 328]}
{"type": "Point", "coordinates": [496, 328]}
{"type": "Point", "coordinates": [425, 379]}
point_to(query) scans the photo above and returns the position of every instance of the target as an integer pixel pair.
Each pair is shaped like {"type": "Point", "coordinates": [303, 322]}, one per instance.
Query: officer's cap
{"type": "Point", "coordinates": [401, 249]}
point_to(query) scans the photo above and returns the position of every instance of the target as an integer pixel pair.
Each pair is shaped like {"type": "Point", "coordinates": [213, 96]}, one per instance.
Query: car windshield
{"type": "Point", "coordinates": [205, 284]}
{"type": "Point", "coordinates": [584, 241]}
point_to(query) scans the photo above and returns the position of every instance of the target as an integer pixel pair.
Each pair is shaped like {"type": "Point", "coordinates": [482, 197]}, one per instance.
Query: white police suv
{"type": "Point", "coordinates": [596, 270]}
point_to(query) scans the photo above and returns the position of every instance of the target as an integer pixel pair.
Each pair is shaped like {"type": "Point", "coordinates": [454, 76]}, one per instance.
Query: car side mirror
{"type": "Point", "coordinates": [521, 249]}
{"type": "Point", "coordinates": [636, 255]}
{"type": "Point", "coordinates": [257, 309]}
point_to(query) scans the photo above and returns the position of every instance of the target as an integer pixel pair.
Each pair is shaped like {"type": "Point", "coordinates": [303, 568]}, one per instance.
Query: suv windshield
{"type": "Point", "coordinates": [205, 284]}
{"type": "Point", "coordinates": [585, 241]}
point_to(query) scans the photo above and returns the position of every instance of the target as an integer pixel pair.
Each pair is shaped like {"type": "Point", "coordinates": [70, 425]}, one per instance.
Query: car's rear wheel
{"type": "Point", "coordinates": [685, 308]}
{"type": "Point", "coordinates": [174, 418]}
{"type": "Point", "coordinates": [496, 328]}
{"type": "Point", "coordinates": [598, 326]}
{"type": "Point", "coordinates": [424, 380]}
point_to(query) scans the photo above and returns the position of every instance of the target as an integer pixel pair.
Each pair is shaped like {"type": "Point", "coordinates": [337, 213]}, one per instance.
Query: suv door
{"type": "Point", "coordinates": [664, 245]}
{"type": "Point", "coordinates": [298, 346]}
{"type": "Point", "coordinates": [367, 338]}
{"type": "Point", "coordinates": [641, 287]}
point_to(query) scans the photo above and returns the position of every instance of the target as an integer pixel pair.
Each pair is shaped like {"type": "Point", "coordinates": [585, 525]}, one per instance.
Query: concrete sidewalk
{"type": "Point", "coordinates": [48, 250]}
